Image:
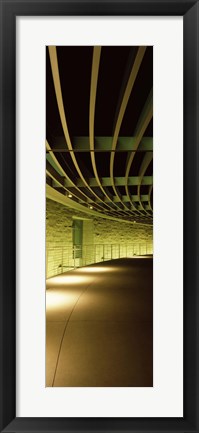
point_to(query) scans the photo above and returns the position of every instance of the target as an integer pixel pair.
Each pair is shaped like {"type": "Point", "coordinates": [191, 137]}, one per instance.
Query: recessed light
{"type": "Point", "coordinates": [70, 195]}
{"type": "Point", "coordinates": [91, 207]}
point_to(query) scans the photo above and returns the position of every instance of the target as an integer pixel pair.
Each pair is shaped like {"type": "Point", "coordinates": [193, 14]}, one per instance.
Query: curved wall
{"type": "Point", "coordinates": [103, 239]}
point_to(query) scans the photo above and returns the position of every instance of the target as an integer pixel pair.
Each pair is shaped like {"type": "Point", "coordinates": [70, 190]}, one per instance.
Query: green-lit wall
{"type": "Point", "coordinates": [102, 238]}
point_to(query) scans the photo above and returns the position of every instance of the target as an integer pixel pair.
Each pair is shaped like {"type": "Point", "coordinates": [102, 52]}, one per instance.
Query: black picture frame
{"type": "Point", "coordinates": [10, 9]}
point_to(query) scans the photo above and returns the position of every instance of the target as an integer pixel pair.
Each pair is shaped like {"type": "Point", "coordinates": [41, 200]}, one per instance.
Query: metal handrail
{"type": "Point", "coordinates": [63, 258]}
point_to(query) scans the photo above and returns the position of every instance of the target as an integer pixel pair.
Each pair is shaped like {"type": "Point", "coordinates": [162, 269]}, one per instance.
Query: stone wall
{"type": "Point", "coordinates": [113, 232]}
{"type": "Point", "coordinates": [103, 239]}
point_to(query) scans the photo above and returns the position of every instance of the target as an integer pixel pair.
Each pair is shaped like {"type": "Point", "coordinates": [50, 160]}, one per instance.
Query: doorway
{"type": "Point", "coordinates": [77, 238]}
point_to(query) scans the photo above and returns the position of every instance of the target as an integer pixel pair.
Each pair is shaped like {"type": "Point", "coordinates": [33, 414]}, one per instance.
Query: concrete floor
{"type": "Point", "coordinates": [99, 329]}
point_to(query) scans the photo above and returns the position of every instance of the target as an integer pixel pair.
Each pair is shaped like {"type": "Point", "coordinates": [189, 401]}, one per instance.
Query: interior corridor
{"type": "Point", "coordinates": [99, 329]}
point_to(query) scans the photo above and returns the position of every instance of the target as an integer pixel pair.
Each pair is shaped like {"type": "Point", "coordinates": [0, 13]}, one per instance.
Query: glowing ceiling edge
{"type": "Point", "coordinates": [54, 195]}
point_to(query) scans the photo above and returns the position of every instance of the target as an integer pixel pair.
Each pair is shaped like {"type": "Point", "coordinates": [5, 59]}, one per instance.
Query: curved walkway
{"type": "Point", "coordinates": [99, 328]}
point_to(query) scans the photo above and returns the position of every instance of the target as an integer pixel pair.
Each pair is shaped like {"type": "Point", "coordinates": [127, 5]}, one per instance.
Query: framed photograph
{"type": "Point", "coordinates": [99, 210]}
{"type": "Point", "coordinates": [95, 246]}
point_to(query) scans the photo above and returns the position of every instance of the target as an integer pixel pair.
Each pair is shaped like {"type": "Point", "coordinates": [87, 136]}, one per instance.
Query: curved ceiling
{"type": "Point", "coordinates": [99, 129]}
